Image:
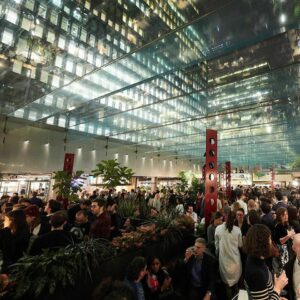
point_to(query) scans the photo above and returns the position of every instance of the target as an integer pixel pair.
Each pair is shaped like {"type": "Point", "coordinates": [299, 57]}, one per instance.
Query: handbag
{"type": "Point", "coordinates": [284, 254]}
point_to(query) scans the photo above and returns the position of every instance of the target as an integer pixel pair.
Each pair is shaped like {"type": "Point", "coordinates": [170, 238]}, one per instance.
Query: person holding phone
{"type": "Point", "coordinates": [157, 283]}
{"type": "Point", "coordinates": [200, 272]}
{"type": "Point", "coordinates": [258, 279]}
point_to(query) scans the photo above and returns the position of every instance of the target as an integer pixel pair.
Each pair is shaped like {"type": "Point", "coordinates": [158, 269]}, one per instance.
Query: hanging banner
{"type": "Point", "coordinates": [69, 162]}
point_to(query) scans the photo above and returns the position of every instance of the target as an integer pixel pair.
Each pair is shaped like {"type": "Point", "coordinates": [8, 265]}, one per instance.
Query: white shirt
{"type": "Point", "coordinates": [296, 279]}
{"type": "Point", "coordinates": [227, 247]}
{"type": "Point", "coordinates": [243, 205]}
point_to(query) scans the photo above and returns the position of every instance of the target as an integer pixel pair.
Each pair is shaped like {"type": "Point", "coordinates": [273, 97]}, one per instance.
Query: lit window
{"type": "Point", "coordinates": [98, 61]}
{"type": "Point", "coordinates": [32, 115]}
{"type": "Point", "coordinates": [7, 37]}
{"type": "Point", "coordinates": [83, 35]}
{"type": "Point", "coordinates": [50, 120]}
{"type": "Point", "coordinates": [90, 57]}
{"type": "Point", "coordinates": [81, 52]}
{"type": "Point", "coordinates": [64, 24]}
{"type": "Point", "coordinates": [42, 11]}
{"type": "Point", "coordinates": [50, 36]}
{"type": "Point", "coordinates": [91, 129]}
{"type": "Point", "coordinates": [26, 24]}
{"type": "Point", "coordinates": [29, 4]}
{"type": "Point", "coordinates": [92, 40]}
{"type": "Point", "coordinates": [54, 17]}
{"type": "Point", "coordinates": [57, 3]}
{"type": "Point", "coordinates": [61, 42]}
{"type": "Point", "coordinates": [79, 70]}
{"type": "Point", "coordinates": [69, 65]}
{"type": "Point", "coordinates": [103, 16]}
{"type": "Point", "coordinates": [59, 61]}
{"type": "Point", "coordinates": [12, 16]}
{"type": "Point", "coordinates": [62, 122]}
{"type": "Point", "coordinates": [60, 102]}
{"type": "Point", "coordinates": [72, 122]}
{"type": "Point", "coordinates": [39, 31]}
{"type": "Point", "coordinates": [77, 14]}
{"type": "Point", "coordinates": [55, 81]}
{"type": "Point", "coordinates": [67, 9]}
{"type": "Point", "coordinates": [19, 113]}
{"type": "Point", "coordinates": [87, 5]}
{"type": "Point", "coordinates": [72, 48]}
{"type": "Point", "coordinates": [22, 47]}
{"type": "Point", "coordinates": [44, 76]}
{"type": "Point", "coordinates": [74, 29]}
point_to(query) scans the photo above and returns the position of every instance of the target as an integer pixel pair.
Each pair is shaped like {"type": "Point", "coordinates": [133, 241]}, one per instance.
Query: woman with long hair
{"type": "Point", "coordinates": [258, 278]}
{"type": "Point", "coordinates": [282, 234]}
{"type": "Point", "coordinates": [14, 237]}
{"type": "Point", "coordinates": [228, 240]}
{"type": "Point", "coordinates": [157, 282]}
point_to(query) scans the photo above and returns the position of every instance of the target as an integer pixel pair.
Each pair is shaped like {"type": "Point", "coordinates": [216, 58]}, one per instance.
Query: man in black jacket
{"type": "Point", "coordinates": [292, 269]}
{"type": "Point", "coordinates": [200, 268]}
{"type": "Point", "coordinates": [56, 238]}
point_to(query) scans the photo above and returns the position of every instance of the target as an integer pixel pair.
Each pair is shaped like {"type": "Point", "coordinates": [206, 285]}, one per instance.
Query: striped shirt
{"type": "Point", "coordinates": [259, 280]}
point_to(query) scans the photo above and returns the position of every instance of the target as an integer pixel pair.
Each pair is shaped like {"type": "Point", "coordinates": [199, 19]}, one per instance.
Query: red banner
{"type": "Point", "coordinates": [69, 162]}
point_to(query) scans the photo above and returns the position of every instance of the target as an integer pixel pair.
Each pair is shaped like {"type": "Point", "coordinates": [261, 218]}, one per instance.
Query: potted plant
{"type": "Point", "coordinates": [67, 185]}
{"type": "Point", "coordinates": [113, 173]}
{"type": "Point", "coordinates": [46, 275]}
{"type": "Point", "coordinates": [183, 181]}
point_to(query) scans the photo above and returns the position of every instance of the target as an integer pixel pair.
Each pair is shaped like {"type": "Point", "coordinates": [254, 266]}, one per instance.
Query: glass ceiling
{"type": "Point", "coordinates": [158, 73]}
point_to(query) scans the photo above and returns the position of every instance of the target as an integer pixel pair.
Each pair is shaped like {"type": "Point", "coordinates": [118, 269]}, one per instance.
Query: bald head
{"type": "Point", "coordinates": [251, 205]}
{"type": "Point", "coordinates": [296, 244]}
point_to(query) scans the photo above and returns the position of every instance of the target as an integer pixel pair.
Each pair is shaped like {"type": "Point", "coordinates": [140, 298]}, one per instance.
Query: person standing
{"type": "Point", "coordinates": [34, 200]}
{"type": "Point", "coordinates": [100, 227]}
{"type": "Point", "coordinates": [56, 238]}
{"type": "Point", "coordinates": [200, 270]}
{"type": "Point", "coordinates": [136, 271]}
{"type": "Point", "coordinates": [258, 278]}
{"type": "Point", "coordinates": [228, 241]}
{"type": "Point", "coordinates": [292, 269]}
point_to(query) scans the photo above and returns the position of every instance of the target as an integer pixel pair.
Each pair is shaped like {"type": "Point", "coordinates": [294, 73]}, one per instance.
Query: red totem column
{"type": "Point", "coordinates": [69, 162]}
{"type": "Point", "coordinates": [228, 179]}
{"type": "Point", "coordinates": [211, 174]}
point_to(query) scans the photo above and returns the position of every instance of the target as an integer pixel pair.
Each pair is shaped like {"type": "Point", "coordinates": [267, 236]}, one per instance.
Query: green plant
{"type": "Point", "coordinates": [144, 208]}
{"type": "Point", "coordinates": [183, 181]}
{"type": "Point", "coordinates": [296, 163]}
{"type": "Point", "coordinates": [113, 173]}
{"type": "Point", "coordinates": [67, 184]}
{"type": "Point", "coordinates": [35, 275]}
{"type": "Point", "coordinates": [164, 219]}
{"type": "Point", "coordinates": [127, 208]}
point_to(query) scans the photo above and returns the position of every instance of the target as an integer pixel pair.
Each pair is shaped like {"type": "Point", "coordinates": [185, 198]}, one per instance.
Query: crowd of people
{"type": "Point", "coordinates": [252, 242]}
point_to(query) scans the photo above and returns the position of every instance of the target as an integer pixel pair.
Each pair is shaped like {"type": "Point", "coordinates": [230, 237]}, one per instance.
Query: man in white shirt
{"type": "Point", "coordinates": [292, 269]}
{"type": "Point", "coordinates": [190, 212]}
{"type": "Point", "coordinates": [242, 203]}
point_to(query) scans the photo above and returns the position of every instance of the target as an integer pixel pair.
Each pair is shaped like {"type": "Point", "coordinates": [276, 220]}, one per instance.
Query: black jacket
{"type": "Point", "coordinates": [208, 272]}
{"type": "Point", "coordinates": [52, 240]}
